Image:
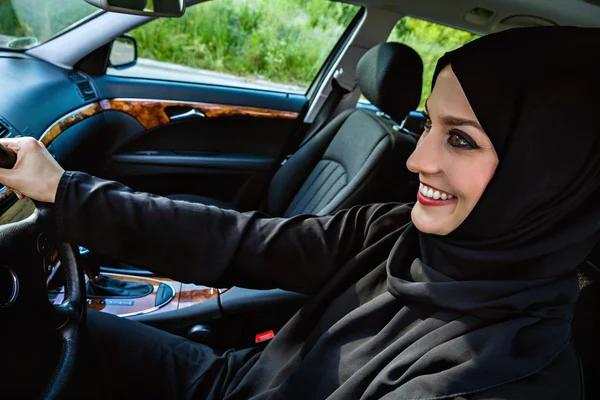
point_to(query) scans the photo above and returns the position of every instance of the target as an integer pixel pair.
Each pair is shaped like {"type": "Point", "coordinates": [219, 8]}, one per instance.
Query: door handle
{"type": "Point", "coordinates": [190, 114]}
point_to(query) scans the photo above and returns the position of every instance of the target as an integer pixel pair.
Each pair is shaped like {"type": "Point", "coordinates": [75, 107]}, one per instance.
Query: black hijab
{"type": "Point", "coordinates": [504, 281]}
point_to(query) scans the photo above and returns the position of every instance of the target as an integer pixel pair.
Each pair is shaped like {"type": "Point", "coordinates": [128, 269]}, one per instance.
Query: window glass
{"type": "Point", "coordinates": [431, 41]}
{"type": "Point", "coordinates": [26, 23]}
{"type": "Point", "coordinates": [275, 45]}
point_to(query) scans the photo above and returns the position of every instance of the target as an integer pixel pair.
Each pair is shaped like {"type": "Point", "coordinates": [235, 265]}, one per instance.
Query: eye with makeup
{"type": "Point", "coordinates": [459, 139]}
{"type": "Point", "coordinates": [456, 137]}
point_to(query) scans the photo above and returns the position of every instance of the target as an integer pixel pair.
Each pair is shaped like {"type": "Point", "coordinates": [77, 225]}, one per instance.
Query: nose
{"type": "Point", "coordinates": [425, 159]}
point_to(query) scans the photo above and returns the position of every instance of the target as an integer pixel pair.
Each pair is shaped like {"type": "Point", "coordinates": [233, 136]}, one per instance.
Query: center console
{"type": "Point", "coordinates": [166, 295]}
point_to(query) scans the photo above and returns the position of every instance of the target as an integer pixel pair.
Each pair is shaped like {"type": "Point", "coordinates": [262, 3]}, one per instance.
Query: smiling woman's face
{"type": "Point", "coordinates": [454, 158]}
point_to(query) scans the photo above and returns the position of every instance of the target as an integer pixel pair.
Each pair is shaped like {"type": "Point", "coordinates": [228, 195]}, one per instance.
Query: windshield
{"type": "Point", "coordinates": [27, 23]}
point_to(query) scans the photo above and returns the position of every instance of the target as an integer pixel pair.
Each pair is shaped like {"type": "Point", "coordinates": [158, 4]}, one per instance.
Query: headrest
{"type": "Point", "coordinates": [390, 76]}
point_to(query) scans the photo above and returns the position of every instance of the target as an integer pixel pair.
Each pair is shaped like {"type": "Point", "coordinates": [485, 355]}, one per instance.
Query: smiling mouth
{"type": "Point", "coordinates": [434, 194]}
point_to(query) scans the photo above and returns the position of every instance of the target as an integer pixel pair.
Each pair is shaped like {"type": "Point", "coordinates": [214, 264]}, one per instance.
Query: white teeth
{"type": "Point", "coordinates": [436, 195]}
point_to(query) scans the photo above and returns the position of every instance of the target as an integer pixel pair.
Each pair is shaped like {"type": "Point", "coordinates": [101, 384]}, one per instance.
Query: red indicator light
{"type": "Point", "coordinates": [262, 337]}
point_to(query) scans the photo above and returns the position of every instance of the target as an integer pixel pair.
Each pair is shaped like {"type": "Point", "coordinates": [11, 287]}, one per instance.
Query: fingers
{"type": "Point", "coordinates": [16, 192]}
{"type": "Point", "coordinates": [6, 176]}
{"type": "Point", "coordinates": [13, 144]}
{"type": "Point", "coordinates": [19, 143]}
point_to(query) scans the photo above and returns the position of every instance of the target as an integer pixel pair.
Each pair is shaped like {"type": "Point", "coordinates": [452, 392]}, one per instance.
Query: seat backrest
{"type": "Point", "coordinates": [358, 157]}
{"type": "Point", "coordinates": [586, 323]}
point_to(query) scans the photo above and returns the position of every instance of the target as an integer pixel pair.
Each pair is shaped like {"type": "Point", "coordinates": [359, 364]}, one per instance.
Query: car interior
{"type": "Point", "coordinates": [339, 142]}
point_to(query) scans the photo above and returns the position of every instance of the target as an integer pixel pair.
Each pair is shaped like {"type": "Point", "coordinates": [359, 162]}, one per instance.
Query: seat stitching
{"type": "Point", "coordinates": [320, 167]}
{"type": "Point", "coordinates": [304, 194]}
{"type": "Point", "coordinates": [325, 185]}
{"type": "Point", "coordinates": [338, 185]}
{"type": "Point", "coordinates": [310, 196]}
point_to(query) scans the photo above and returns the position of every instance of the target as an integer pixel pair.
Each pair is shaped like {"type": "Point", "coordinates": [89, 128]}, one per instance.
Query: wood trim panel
{"type": "Point", "coordinates": [151, 113]}
{"type": "Point", "coordinates": [68, 121]}
{"type": "Point", "coordinates": [185, 295]}
{"type": "Point", "coordinates": [191, 294]}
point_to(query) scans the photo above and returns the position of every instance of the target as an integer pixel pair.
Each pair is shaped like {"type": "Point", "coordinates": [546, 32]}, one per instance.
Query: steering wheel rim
{"type": "Point", "coordinates": [22, 254]}
{"type": "Point", "coordinates": [72, 307]}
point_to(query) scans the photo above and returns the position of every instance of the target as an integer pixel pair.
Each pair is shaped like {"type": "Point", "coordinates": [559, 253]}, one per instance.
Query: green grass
{"type": "Point", "coordinates": [283, 41]}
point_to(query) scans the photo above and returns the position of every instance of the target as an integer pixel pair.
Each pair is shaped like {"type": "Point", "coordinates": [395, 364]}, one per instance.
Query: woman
{"type": "Point", "coordinates": [472, 299]}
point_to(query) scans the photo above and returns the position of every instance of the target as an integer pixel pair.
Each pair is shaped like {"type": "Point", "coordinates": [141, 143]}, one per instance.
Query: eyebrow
{"type": "Point", "coordinates": [456, 121]}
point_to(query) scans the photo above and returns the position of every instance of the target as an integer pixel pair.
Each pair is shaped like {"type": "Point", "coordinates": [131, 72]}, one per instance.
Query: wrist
{"type": "Point", "coordinates": [54, 183]}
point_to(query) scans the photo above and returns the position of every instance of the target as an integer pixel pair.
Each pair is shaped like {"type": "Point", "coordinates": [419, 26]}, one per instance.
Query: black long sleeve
{"type": "Point", "coordinates": [207, 245]}
{"type": "Point", "coordinates": [365, 334]}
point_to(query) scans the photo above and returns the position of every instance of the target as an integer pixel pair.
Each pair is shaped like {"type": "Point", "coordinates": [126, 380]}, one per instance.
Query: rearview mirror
{"type": "Point", "coordinates": [149, 8]}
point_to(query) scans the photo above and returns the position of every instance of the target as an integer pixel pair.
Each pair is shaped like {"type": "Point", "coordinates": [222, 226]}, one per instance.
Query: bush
{"type": "Point", "coordinates": [284, 41]}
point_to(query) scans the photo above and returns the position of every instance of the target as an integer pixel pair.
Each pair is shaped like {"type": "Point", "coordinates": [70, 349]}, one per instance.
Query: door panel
{"type": "Point", "coordinates": [225, 146]}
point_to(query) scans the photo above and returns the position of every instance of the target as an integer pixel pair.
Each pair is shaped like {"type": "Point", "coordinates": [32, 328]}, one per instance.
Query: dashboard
{"type": "Point", "coordinates": [34, 95]}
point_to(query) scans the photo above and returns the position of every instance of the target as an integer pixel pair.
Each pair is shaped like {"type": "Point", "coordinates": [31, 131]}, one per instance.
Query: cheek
{"type": "Point", "coordinates": [470, 183]}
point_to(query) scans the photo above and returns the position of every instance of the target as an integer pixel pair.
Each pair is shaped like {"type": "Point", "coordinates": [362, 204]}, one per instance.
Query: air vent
{"type": "Point", "coordinates": [84, 86]}
{"type": "Point", "coordinates": [86, 90]}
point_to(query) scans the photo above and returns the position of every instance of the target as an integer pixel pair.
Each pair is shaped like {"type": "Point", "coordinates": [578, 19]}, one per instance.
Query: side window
{"type": "Point", "coordinates": [277, 45]}
{"type": "Point", "coordinates": [431, 41]}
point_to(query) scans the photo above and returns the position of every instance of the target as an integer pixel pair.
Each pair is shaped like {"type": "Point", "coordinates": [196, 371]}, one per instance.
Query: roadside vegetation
{"type": "Point", "coordinates": [283, 41]}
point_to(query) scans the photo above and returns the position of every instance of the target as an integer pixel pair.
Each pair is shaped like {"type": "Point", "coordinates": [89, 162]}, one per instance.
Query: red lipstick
{"type": "Point", "coordinates": [426, 201]}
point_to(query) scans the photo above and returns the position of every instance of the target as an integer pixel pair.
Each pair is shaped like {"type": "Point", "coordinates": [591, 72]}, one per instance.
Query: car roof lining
{"type": "Point", "coordinates": [451, 13]}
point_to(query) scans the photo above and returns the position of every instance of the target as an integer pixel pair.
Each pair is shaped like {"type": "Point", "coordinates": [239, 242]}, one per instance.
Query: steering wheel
{"type": "Point", "coordinates": [25, 251]}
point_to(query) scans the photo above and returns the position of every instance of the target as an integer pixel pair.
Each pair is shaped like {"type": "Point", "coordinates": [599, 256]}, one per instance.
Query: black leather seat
{"type": "Point", "coordinates": [586, 323]}
{"type": "Point", "coordinates": [359, 157]}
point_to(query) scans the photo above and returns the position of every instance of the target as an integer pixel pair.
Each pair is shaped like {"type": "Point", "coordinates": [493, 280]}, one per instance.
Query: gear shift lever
{"type": "Point", "coordinates": [89, 264]}
{"type": "Point", "coordinates": [103, 286]}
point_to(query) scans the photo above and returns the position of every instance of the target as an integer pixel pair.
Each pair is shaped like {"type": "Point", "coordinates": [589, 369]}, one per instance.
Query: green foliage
{"type": "Point", "coordinates": [431, 41]}
{"type": "Point", "coordinates": [9, 24]}
{"type": "Point", "coordinates": [40, 18]}
{"type": "Point", "coordinates": [283, 41]}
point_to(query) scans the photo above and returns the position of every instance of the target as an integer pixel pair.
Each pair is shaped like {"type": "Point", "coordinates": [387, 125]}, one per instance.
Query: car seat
{"type": "Point", "coordinates": [360, 156]}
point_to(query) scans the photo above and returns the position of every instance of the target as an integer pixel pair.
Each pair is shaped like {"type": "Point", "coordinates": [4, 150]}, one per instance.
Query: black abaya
{"type": "Point", "coordinates": [395, 313]}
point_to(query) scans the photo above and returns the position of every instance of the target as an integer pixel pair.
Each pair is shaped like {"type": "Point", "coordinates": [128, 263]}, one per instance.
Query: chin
{"type": "Point", "coordinates": [426, 225]}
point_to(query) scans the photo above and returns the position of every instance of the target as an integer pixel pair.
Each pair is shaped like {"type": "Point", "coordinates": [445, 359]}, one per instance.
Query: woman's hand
{"type": "Point", "coordinates": [36, 173]}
